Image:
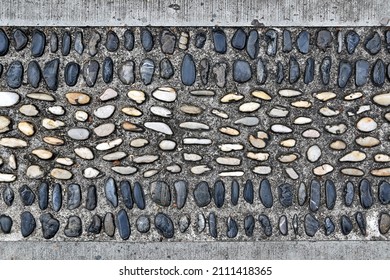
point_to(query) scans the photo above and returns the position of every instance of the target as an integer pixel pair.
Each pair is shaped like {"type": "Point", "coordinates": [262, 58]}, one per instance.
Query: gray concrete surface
{"type": "Point", "coordinates": [194, 13]}
{"type": "Point", "coordinates": [346, 250]}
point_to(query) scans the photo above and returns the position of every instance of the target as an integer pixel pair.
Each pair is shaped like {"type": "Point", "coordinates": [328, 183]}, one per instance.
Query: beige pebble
{"type": "Point", "coordinates": [12, 142]}
{"type": "Point", "coordinates": [231, 97]}
{"type": "Point", "coordinates": [366, 124]}
{"type": "Point", "coordinates": [78, 98]}
{"type": "Point", "coordinates": [258, 156]}
{"type": "Point", "coordinates": [338, 145]}
{"type": "Point", "coordinates": [42, 153]}
{"type": "Point", "coordinates": [4, 124]}
{"type": "Point", "coordinates": [137, 96]}
{"type": "Point", "coordinates": [52, 124]}
{"type": "Point", "coordinates": [55, 141]}
{"type": "Point", "coordinates": [132, 111]}
{"type": "Point", "coordinates": [229, 131]}
{"type": "Point", "coordinates": [354, 156]}
{"type": "Point", "coordinates": [288, 143]}
{"type": "Point", "coordinates": [261, 95]}
{"type": "Point", "coordinates": [139, 142]}
{"type": "Point", "coordinates": [61, 174]}
{"type": "Point", "coordinates": [26, 128]}
{"type": "Point", "coordinates": [323, 169]}
{"type": "Point", "coordinates": [29, 110]}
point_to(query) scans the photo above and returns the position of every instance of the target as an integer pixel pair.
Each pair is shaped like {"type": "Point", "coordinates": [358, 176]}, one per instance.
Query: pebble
{"type": "Point", "coordinates": [382, 172]}
{"type": "Point", "coordinates": [279, 72]}
{"type": "Point", "coordinates": [295, 224]}
{"type": "Point", "coordinates": [147, 70]}
{"type": "Point", "coordinates": [323, 169]}
{"type": "Point", "coordinates": [378, 73]}
{"type": "Point", "coordinates": [265, 193]}
{"type": "Point", "coordinates": [220, 113]}
{"type": "Point", "coordinates": [123, 224]}
{"type": "Point", "coordinates": [194, 126]}
{"type": "Point", "coordinates": [365, 194]}
{"type": "Point", "coordinates": [384, 223]}
{"type": "Point", "coordinates": [346, 225]}
{"type": "Point", "coordinates": [329, 112]}
{"type": "Point", "coordinates": [160, 193]}
{"type": "Point", "coordinates": [71, 74]}
{"type": "Point", "coordinates": [325, 96]}
{"type": "Point", "coordinates": [329, 226]}
{"type": "Point", "coordinates": [126, 72]}
{"type": "Point", "coordinates": [78, 133]}
{"type": "Point", "coordinates": [262, 170]}
{"type": "Point", "coordinates": [183, 40]}
{"type": "Point", "coordinates": [108, 70]}
{"type": "Point", "coordinates": [283, 225]}
{"type": "Point", "coordinates": [352, 40]}
{"type": "Point", "coordinates": [164, 225]}
{"type": "Point", "coordinates": [50, 73]}
{"type": "Point", "coordinates": [91, 199]}
{"type": "Point", "coordinates": [174, 168]}
{"type": "Point", "coordinates": [167, 41]}
{"type": "Point", "coordinates": [345, 72]}
{"type": "Point", "coordinates": [289, 93]}
{"type": "Point", "coordinates": [57, 110]}
{"type": "Point", "coordinates": [20, 40]}
{"type": "Point", "coordinates": [239, 39]}
{"type": "Point", "coordinates": [324, 39]}
{"type": "Point", "coordinates": [271, 37]}
{"type": "Point", "coordinates": [261, 72]}
{"type": "Point", "coordinates": [302, 120]}
{"type": "Point", "coordinates": [232, 228]}
{"type": "Point", "coordinates": [204, 69]}
{"type": "Point", "coordinates": [66, 43]}
{"type": "Point", "coordinates": [384, 192]}
{"type": "Point", "coordinates": [287, 158]}
{"type": "Point", "coordinates": [95, 227]}
{"type": "Point", "coordinates": [191, 109]}
{"type": "Point", "coordinates": [165, 94]}
{"type": "Point", "coordinates": [325, 68]}
{"type": "Point", "coordinates": [14, 74]}
{"type": "Point", "coordinates": [114, 156]}
{"type": "Point", "coordinates": [79, 42]}
{"type": "Point", "coordinates": [50, 225]}
{"type": "Point", "coordinates": [235, 192]}
{"type": "Point", "coordinates": [200, 40]}
{"type": "Point", "coordinates": [234, 173]}
{"type": "Point", "coordinates": [336, 129]}
{"type": "Point", "coordinates": [90, 72]}
{"type": "Point", "coordinates": [13, 142]}
{"type": "Point", "coordinates": [159, 127]}
{"type": "Point", "coordinates": [219, 193]}
{"type": "Point", "coordinates": [213, 225]}
{"type": "Point", "coordinates": [285, 194]}
{"type": "Point", "coordinates": [104, 130]}
{"type": "Point", "coordinates": [8, 196]}
{"type": "Point", "coordinates": [41, 96]}
{"type": "Point", "coordinates": [166, 69]}
{"type": "Point", "coordinates": [73, 196]}
{"type": "Point", "coordinates": [338, 145]}
{"type": "Point", "coordinates": [311, 225]}
{"type": "Point", "coordinates": [73, 227]}
{"type": "Point", "coordinates": [248, 193]}
{"type": "Point", "coordinates": [139, 143]}
{"type": "Point", "coordinates": [261, 95]}
{"type": "Point", "coordinates": [280, 128]}
{"type": "Point", "coordinates": [33, 74]}
{"type": "Point", "coordinates": [147, 40]}
{"type": "Point", "coordinates": [197, 141]}
{"type": "Point", "coordinates": [202, 194]}
{"type": "Point", "coordinates": [184, 223]}
{"type": "Point", "coordinates": [53, 42]}
{"type": "Point", "coordinates": [361, 221]}
{"type": "Point", "coordinates": [258, 156]}
{"type": "Point", "coordinates": [278, 112]}
{"type": "Point", "coordinates": [219, 74]}
{"type": "Point", "coordinates": [249, 225]}
{"type": "Point", "coordinates": [56, 197]}
{"type": "Point", "coordinates": [26, 128]}
{"type": "Point", "coordinates": [110, 191]}
{"type": "Point", "coordinates": [303, 42]}
{"type": "Point", "coordinates": [109, 144]}
{"type": "Point", "coordinates": [373, 43]}
{"type": "Point", "coordinates": [287, 41]}
{"type": "Point", "coordinates": [302, 194]}
{"type": "Point", "coordinates": [330, 194]}
{"type": "Point", "coordinates": [248, 121]}
{"type": "Point", "coordinates": [143, 224]}
{"type": "Point", "coordinates": [145, 159]}
{"type": "Point", "coordinates": [192, 157]}
{"type": "Point", "coordinates": [367, 141]}
{"type": "Point", "coordinates": [309, 71]}
{"type": "Point", "coordinates": [354, 156]}
{"type": "Point", "coordinates": [84, 153]}
{"type": "Point", "coordinates": [38, 42]}
{"type": "Point", "coordinates": [242, 71]}
{"type": "Point", "coordinates": [181, 190]}
{"type": "Point", "coordinates": [361, 72]}
{"type": "Point", "coordinates": [128, 41]}
{"type": "Point", "coordinates": [27, 196]}
{"type": "Point", "coordinates": [252, 45]}
{"type": "Point", "coordinates": [34, 172]}
{"type": "Point", "coordinates": [382, 99]}
{"type": "Point", "coordinates": [219, 40]}
{"type": "Point", "coordinates": [91, 173]}
{"type": "Point", "coordinates": [139, 197]}
{"type": "Point", "coordinates": [112, 41]}
{"type": "Point", "coordinates": [313, 153]}
{"type": "Point", "coordinates": [109, 224]}
{"type": "Point", "coordinates": [4, 43]}
{"type": "Point", "coordinates": [366, 124]}
{"type": "Point", "coordinates": [28, 110]}
{"type": "Point", "coordinates": [61, 174]}
{"type": "Point", "coordinates": [288, 143]}
{"type": "Point", "coordinates": [27, 224]}
{"type": "Point", "coordinates": [201, 222]}
{"type": "Point", "coordinates": [265, 224]}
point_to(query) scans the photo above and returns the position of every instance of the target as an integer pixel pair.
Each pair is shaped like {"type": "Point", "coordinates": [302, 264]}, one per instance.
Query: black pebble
{"type": "Point", "coordinates": [219, 39]}
{"type": "Point", "coordinates": [200, 40]}
{"type": "Point", "coordinates": [279, 72]}
{"type": "Point", "coordinates": [352, 40]}
{"type": "Point", "coordinates": [26, 195]}
{"type": "Point", "coordinates": [50, 73]}
{"type": "Point", "coordinates": [287, 41]}
{"type": "Point", "coordinates": [311, 225]}
{"type": "Point", "coordinates": [252, 45]}
{"type": "Point", "coordinates": [303, 42]}
{"type": "Point", "coordinates": [125, 189]}
{"type": "Point", "coordinates": [166, 69]}
{"type": "Point", "coordinates": [43, 195]}
{"type": "Point", "coordinates": [147, 70]}
{"type": "Point", "coordinates": [248, 191]}
{"type": "Point", "coordinates": [283, 225]}
{"type": "Point", "coordinates": [232, 228]}
{"type": "Point", "coordinates": [38, 43]}
{"type": "Point", "coordinates": [90, 72]}
{"type": "Point", "coordinates": [271, 37]}
{"type": "Point", "coordinates": [302, 194]}
{"type": "Point", "coordinates": [285, 195]}
{"type": "Point", "coordinates": [8, 196]}
{"type": "Point", "coordinates": [95, 226]}
{"type": "Point", "coordinates": [1, 69]}
{"type": "Point", "coordinates": [20, 39]}
{"type": "Point", "coordinates": [139, 196]}
{"type": "Point", "coordinates": [384, 192]}
{"type": "Point", "coordinates": [143, 224]}
{"type": "Point", "coordinates": [204, 69]}
{"type": "Point", "coordinates": [325, 67]}
{"type": "Point", "coordinates": [361, 72]}
{"type": "Point", "coordinates": [249, 225]}
{"type": "Point", "coordinates": [15, 74]}
{"type": "Point", "coordinates": [110, 191]}
{"type": "Point", "coordinates": [378, 73]}
{"type": "Point", "coordinates": [239, 39]}
{"type": "Point", "coordinates": [309, 71]}
{"type": "Point", "coordinates": [109, 224]}
{"type": "Point", "coordinates": [315, 195]}
{"type": "Point", "coordinates": [265, 224]}
{"type": "Point", "coordinates": [188, 70]}
{"type": "Point", "coordinates": [73, 227]}
{"type": "Point", "coordinates": [128, 41]}
{"type": "Point", "coordinates": [50, 225]}
{"type": "Point", "coordinates": [112, 41]}
{"type": "Point", "coordinates": [261, 71]}
{"type": "Point", "coordinates": [167, 41]}
{"type": "Point", "coordinates": [349, 193]}
{"type": "Point", "coordinates": [33, 74]}
{"type": "Point", "coordinates": [79, 42]}
{"type": "Point", "coordinates": [346, 225]}
{"type": "Point", "coordinates": [365, 193]}
{"type": "Point", "coordinates": [387, 36]}
{"type": "Point", "coordinates": [330, 194]}
{"type": "Point", "coordinates": [108, 70]}
{"type": "Point", "coordinates": [56, 197]}
{"type": "Point", "coordinates": [345, 72]}
{"type": "Point", "coordinates": [324, 39]}
{"type": "Point", "coordinates": [66, 43]}
{"type": "Point", "coordinates": [361, 221]}
{"type": "Point", "coordinates": [147, 40]}
{"type": "Point", "coordinates": [27, 223]}
{"type": "Point", "coordinates": [242, 71]}
{"type": "Point", "coordinates": [219, 193]}
{"type": "Point", "coordinates": [202, 194]}
{"type": "Point", "coordinates": [294, 71]}
{"type": "Point", "coordinates": [74, 196]}
{"type": "Point", "coordinates": [329, 226]}
{"type": "Point", "coordinates": [5, 224]}
{"type": "Point", "coordinates": [123, 225]}
{"type": "Point", "coordinates": [53, 42]}
{"type": "Point", "coordinates": [373, 43]}
{"type": "Point", "coordinates": [91, 199]}
{"type": "Point", "coordinates": [164, 225]}
{"type": "Point", "coordinates": [265, 193]}
{"type": "Point", "coordinates": [4, 43]}
{"type": "Point", "coordinates": [71, 74]}
{"type": "Point", "coordinates": [160, 193]}
{"type": "Point", "coordinates": [235, 192]}
{"type": "Point", "coordinates": [181, 192]}
{"type": "Point", "coordinates": [213, 225]}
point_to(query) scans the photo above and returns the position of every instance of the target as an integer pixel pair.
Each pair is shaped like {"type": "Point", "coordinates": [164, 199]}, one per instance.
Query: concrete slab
{"type": "Point", "coordinates": [194, 13]}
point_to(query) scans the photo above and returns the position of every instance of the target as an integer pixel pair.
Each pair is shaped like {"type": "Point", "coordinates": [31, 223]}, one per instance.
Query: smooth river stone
{"type": "Point", "coordinates": [73, 227]}
{"type": "Point", "coordinates": [71, 73]}
{"type": "Point", "coordinates": [219, 39]}
{"type": "Point", "coordinates": [329, 226]}
{"type": "Point", "coordinates": [126, 72]}
{"type": "Point", "coordinates": [265, 224]}
{"type": "Point", "coordinates": [159, 127]}
{"type": "Point", "coordinates": [365, 194]}
{"type": "Point", "coordinates": [110, 191]}
{"type": "Point", "coordinates": [33, 74]}
{"type": "Point", "coordinates": [50, 225]}
{"type": "Point", "coordinates": [235, 192]}
{"type": "Point", "coordinates": [349, 193]}
{"type": "Point", "coordinates": [95, 227]}
{"type": "Point", "coordinates": [188, 70]}
{"type": "Point", "coordinates": [166, 69]}
{"type": "Point", "coordinates": [4, 43]}
{"type": "Point", "coordinates": [43, 195]}
{"type": "Point", "coordinates": [361, 72]}
{"type": "Point", "coordinates": [239, 39]}
{"type": "Point", "coordinates": [232, 228]}
{"type": "Point", "coordinates": [249, 225]}
{"type": "Point", "coordinates": [181, 191]}
{"type": "Point", "coordinates": [147, 39]}
{"type": "Point", "coordinates": [315, 195]}
{"type": "Point", "coordinates": [50, 73]}
{"type": "Point", "coordinates": [78, 42]}
{"type": "Point", "coordinates": [378, 73]}
{"type": "Point", "coordinates": [352, 40]}
{"type": "Point", "coordinates": [78, 133]}
{"type": "Point", "coordinates": [373, 43]}
{"type": "Point", "coordinates": [56, 197]}
{"type": "Point", "coordinates": [248, 193]}
{"type": "Point", "coordinates": [164, 225]}
{"type": "Point", "coordinates": [14, 74]}
{"type": "Point", "coordinates": [252, 45]}
{"type": "Point", "coordinates": [123, 224]}
{"type": "Point", "coordinates": [160, 193]}
{"type": "Point", "coordinates": [303, 42]}
{"type": "Point", "coordinates": [219, 193]}
{"type": "Point", "coordinates": [384, 192]}
{"type": "Point", "coordinates": [143, 224]}
{"type": "Point", "coordinates": [128, 41]}
{"type": "Point", "coordinates": [311, 225]}
{"type": "Point", "coordinates": [265, 193]}
{"type": "Point", "coordinates": [325, 67]}
{"type": "Point", "coordinates": [346, 225]}
{"type": "Point", "coordinates": [27, 223]}
{"type": "Point", "coordinates": [27, 196]}
{"type": "Point", "coordinates": [287, 41]}
{"type": "Point", "coordinates": [66, 43]}
{"type": "Point", "coordinates": [38, 42]}
{"type": "Point", "coordinates": [104, 112]}
{"type": "Point", "coordinates": [345, 72]}
{"type": "Point", "coordinates": [330, 194]}
{"type": "Point", "coordinates": [294, 71]}
{"type": "Point", "coordinates": [261, 71]}
{"type": "Point", "coordinates": [361, 221]}
{"type": "Point", "coordinates": [91, 199]}
{"type": "Point", "coordinates": [242, 71]}
{"type": "Point", "coordinates": [108, 70]}
{"type": "Point", "coordinates": [202, 194]}
{"type": "Point", "coordinates": [8, 98]}
{"type": "Point", "coordinates": [74, 196]}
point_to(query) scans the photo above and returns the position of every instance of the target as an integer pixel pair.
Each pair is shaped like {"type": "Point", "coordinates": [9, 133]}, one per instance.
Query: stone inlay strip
{"type": "Point", "coordinates": [194, 133]}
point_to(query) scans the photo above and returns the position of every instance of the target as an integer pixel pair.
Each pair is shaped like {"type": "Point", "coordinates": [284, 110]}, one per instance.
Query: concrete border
{"type": "Point", "coordinates": [194, 13]}
{"type": "Point", "coordinates": [303, 250]}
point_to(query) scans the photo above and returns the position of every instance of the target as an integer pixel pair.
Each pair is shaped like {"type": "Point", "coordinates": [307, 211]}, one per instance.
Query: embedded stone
{"type": "Point", "coordinates": [53, 41]}
{"type": "Point", "coordinates": [114, 156]}
{"type": "Point", "coordinates": [202, 194]}
{"type": "Point", "coordinates": [265, 224]}
{"type": "Point", "coordinates": [128, 41]}
{"type": "Point", "coordinates": [311, 225]}
{"type": "Point", "coordinates": [56, 197]}
{"type": "Point", "coordinates": [271, 37]}
{"type": "Point", "coordinates": [219, 39]}
{"type": "Point", "coordinates": [147, 71]}
{"type": "Point", "coordinates": [38, 42]}
{"type": "Point", "coordinates": [329, 226]}
{"type": "Point", "coordinates": [278, 112]}
{"type": "Point", "coordinates": [145, 159]}
{"type": "Point", "coordinates": [261, 95]}
{"type": "Point", "coordinates": [167, 41]}
{"type": "Point", "coordinates": [354, 156]}
{"type": "Point", "coordinates": [219, 193]}
{"type": "Point", "coordinates": [27, 196]}
{"type": "Point", "coordinates": [42, 153]}
{"type": "Point", "coordinates": [11, 142]}
{"type": "Point", "coordinates": [84, 153]}
{"type": "Point", "coordinates": [373, 43]}
{"type": "Point", "coordinates": [361, 221]}
{"type": "Point", "coordinates": [309, 71]}
{"type": "Point", "coordinates": [200, 169]}
{"type": "Point", "coordinates": [108, 94]}
{"type": "Point", "coordinates": [197, 141]}
{"type": "Point", "coordinates": [313, 153]}
{"type": "Point", "coordinates": [27, 224]}
{"type": "Point", "coordinates": [352, 40]}
{"type": "Point", "coordinates": [336, 129]}
{"type": "Point", "coordinates": [366, 124]}
{"type": "Point", "coordinates": [165, 94]}
{"type": "Point", "coordinates": [204, 69]}
{"type": "Point", "coordinates": [258, 156]}
{"type": "Point", "coordinates": [164, 225]}
{"type": "Point", "coordinates": [365, 194]}
{"type": "Point", "coordinates": [109, 224]}
{"type": "Point", "coordinates": [123, 224]}
{"type": "Point", "coordinates": [384, 192]}
{"type": "Point", "coordinates": [50, 225]}
{"type": "Point", "coordinates": [160, 193]}
{"type": "Point", "coordinates": [104, 130]}
{"type": "Point", "coordinates": [200, 40]}
{"type": "Point", "coordinates": [167, 145]}
{"type": "Point", "coordinates": [287, 41]}
{"type": "Point", "coordinates": [14, 75]}
{"type": "Point", "coordinates": [262, 169]}
{"type": "Point", "coordinates": [78, 42]}
{"type": "Point", "coordinates": [139, 143]}
{"type": "Point", "coordinates": [34, 172]}
{"type": "Point", "coordinates": [345, 72]}
{"type": "Point", "coordinates": [108, 70]}
{"type": "Point", "coordinates": [66, 43]}
{"type": "Point", "coordinates": [325, 67]}
{"type": "Point", "coordinates": [50, 73]}
{"type": "Point", "coordinates": [361, 72]}
{"type": "Point", "coordinates": [330, 194]}
{"type": "Point", "coordinates": [265, 193]}
{"type": "Point", "coordinates": [64, 161]}
{"type": "Point", "coordinates": [126, 72]}
{"type": "Point", "coordinates": [378, 73]}
{"type": "Point", "coordinates": [219, 74]}
{"type": "Point", "coordinates": [346, 225]}
{"type": "Point", "coordinates": [323, 169]}
{"type": "Point", "coordinates": [166, 69]}
{"type": "Point", "coordinates": [91, 200]}
{"type": "Point", "coordinates": [232, 228]}
{"type": "Point", "coordinates": [239, 39]}
{"type": "Point", "coordinates": [20, 40]}
{"type": "Point", "coordinates": [303, 42]}
{"type": "Point", "coordinates": [147, 40]}
{"type": "Point", "coordinates": [384, 223]}
{"type": "Point", "coordinates": [78, 98]}
{"type": "Point", "coordinates": [289, 93]}
{"type": "Point", "coordinates": [280, 128]}
{"type": "Point", "coordinates": [252, 45]}
{"type": "Point", "coordinates": [33, 74]}
{"type": "Point", "coordinates": [28, 110]}
{"type": "Point", "coordinates": [324, 39]}
{"type": "Point", "coordinates": [161, 111]}
{"type": "Point", "coordinates": [241, 71]}
{"type": "Point", "coordinates": [143, 224]}
{"type": "Point", "coordinates": [139, 197]}
{"type": "Point", "coordinates": [74, 196]}
{"type": "Point", "coordinates": [95, 226]}
{"type": "Point", "coordinates": [261, 72]}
